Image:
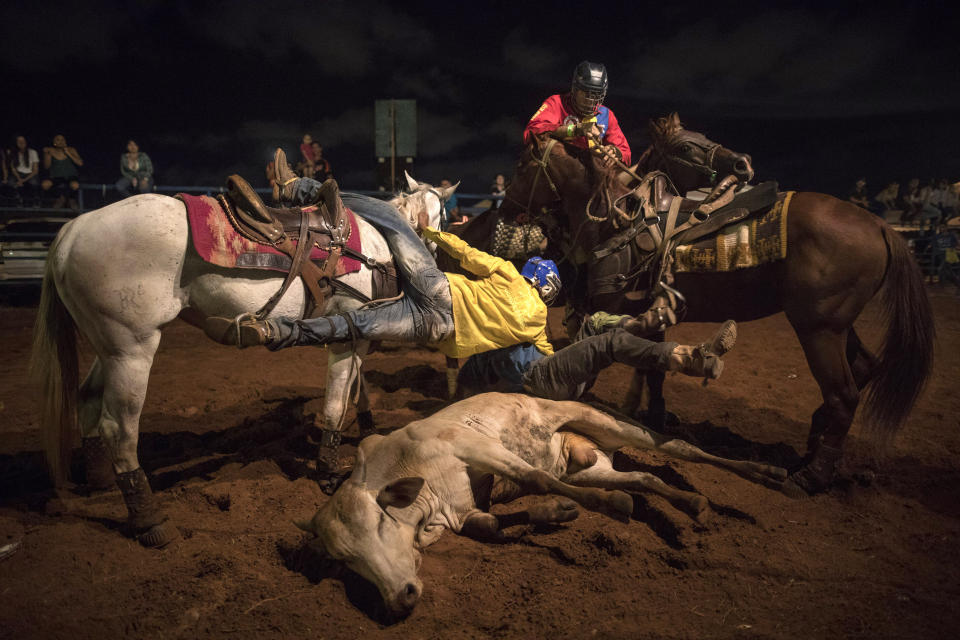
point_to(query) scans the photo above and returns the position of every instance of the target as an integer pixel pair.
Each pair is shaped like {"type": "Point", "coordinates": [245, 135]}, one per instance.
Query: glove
{"type": "Point", "coordinates": [585, 128]}
{"type": "Point", "coordinates": [610, 149]}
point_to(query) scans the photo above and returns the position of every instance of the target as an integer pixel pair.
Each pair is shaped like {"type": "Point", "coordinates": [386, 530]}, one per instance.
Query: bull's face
{"type": "Point", "coordinates": [356, 527]}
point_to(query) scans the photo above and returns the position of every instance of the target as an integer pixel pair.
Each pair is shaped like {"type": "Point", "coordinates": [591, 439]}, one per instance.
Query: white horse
{"type": "Point", "coordinates": [118, 275]}
{"type": "Point", "coordinates": [423, 197]}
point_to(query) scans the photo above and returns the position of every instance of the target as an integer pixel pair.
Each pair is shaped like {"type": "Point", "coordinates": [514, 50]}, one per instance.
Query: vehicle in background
{"type": "Point", "coordinates": [24, 243]}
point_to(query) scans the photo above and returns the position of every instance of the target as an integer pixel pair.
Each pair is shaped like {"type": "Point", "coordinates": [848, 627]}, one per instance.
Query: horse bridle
{"type": "Point", "coordinates": [707, 169]}
{"type": "Point", "coordinates": [543, 164]}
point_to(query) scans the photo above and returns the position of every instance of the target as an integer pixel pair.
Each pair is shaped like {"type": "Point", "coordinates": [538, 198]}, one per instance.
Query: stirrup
{"type": "Point", "coordinates": [246, 315]}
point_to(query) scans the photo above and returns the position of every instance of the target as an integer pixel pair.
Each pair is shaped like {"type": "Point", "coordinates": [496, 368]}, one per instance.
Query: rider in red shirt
{"type": "Point", "coordinates": [573, 115]}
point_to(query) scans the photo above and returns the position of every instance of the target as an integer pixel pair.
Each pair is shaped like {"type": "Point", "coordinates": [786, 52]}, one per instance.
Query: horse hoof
{"type": "Point", "coordinates": [158, 536]}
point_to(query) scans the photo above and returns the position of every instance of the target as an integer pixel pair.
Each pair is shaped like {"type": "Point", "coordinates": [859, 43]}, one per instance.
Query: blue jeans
{"type": "Point", "coordinates": [423, 314]}
{"type": "Point", "coordinates": [566, 374]}
{"type": "Point", "coordinates": [125, 186]}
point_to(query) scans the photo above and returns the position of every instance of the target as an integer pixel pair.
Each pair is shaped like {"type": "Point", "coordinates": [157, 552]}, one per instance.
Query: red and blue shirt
{"type": "Point", "coordinates": [557, 110]}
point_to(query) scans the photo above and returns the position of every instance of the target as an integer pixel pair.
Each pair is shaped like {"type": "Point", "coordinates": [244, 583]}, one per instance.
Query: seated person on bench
{"type": "Point", "coordinates": [464, 316]}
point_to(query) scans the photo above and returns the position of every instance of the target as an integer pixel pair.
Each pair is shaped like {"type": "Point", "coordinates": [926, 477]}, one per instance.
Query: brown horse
{"type": "Point", "coordinates": [838, 257]}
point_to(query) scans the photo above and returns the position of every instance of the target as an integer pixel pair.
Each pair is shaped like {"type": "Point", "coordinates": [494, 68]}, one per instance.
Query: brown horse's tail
{"type": "Point", "coordinates": [906, 357]}
{"type": "Point", "coordinates": [54, 366]}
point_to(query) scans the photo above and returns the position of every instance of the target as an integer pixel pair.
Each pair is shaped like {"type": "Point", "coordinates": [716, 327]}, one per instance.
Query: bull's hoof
{"type": "Point", "coordinates": [698, 508]}
{"type": "Point", "coordinates": [793, 490]}
{"type": "Point", "coordinates": [620, 504]}
{"type": "Point", "coordinates": [776, 473]}
{"type": "Point", "coordinates": [158, 536]}
{"type": "Point", "coordinates": [554, 511]}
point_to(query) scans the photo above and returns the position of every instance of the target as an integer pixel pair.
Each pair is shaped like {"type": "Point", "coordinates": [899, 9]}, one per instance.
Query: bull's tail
{"type": "Point", "coordinates": [906, 357]}
{"type": "Point", "coordinates": [54, 366]}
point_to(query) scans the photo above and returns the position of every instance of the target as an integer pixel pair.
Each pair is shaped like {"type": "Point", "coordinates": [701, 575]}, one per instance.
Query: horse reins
{"type": "Point", "coordinates": [706, 169]}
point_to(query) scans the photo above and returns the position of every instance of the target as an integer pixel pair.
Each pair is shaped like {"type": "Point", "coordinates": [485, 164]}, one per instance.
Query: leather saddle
{"type": "Point", "coordinates": [670, 220]}
{"type": "Point", "coordinates": [326, 226]}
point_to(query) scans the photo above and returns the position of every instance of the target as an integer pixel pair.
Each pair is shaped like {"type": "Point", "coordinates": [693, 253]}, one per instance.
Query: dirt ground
{"type": "Point", "coordinates": [224, 440]}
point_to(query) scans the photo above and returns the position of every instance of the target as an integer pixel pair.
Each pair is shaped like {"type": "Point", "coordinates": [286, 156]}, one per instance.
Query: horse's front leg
{"type": "Point", "coordinates": [344, 368]}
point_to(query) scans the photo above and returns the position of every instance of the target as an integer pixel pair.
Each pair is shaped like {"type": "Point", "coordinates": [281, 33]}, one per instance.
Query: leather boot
{"type": "Point", "coordinates": [330, 470]}
{"type": "Point", "coordinates": [656, 319]}
{"type": "Point", "coordinates": [283, 177]}
{"type": "Point", "coordinates": [246, 333]}
{"type": "Point", "coordinates": [146, 520]}
{"type": "Point", "coordinates": [703, 360]}
{"type": "Point", "coordinates": [819, 473]}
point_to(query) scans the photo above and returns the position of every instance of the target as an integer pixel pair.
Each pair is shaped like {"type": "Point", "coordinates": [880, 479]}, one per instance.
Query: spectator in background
{"type": "Point", "coordinates": [136, 171]}
{"type": "Point", "coordinates": [888, 197]}
{"type": "Point", "coordinates": [930, 204]}
{"type": "Point", "coordinates": [949, 200]}
{"type": "Point", "coordinates": [321, 168]}
{"type": "Point", "coordinates": [910, 200]}
{"type": "Point", "coordinates": [271, 174]}
{"type": "Point", "coordinates": [63, 175]}
{"type": "Point", "coordinates": [24, 165]}
{"type": "Point", "coordinates": [858, 195]}
{"type": "Point", "coordinates": [451, 207]}
{"type": "Point", "coordinates": [305, 166]}
{"type": "Point", "coordinates": [498, 189]}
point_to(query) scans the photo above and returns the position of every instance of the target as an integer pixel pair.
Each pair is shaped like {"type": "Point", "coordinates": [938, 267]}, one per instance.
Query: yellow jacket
{"type": "Point", "coordinates": [500, 309]}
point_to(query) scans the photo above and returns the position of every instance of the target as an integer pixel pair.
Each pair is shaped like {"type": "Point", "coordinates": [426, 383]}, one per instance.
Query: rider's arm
{"type": "Point", "coordinates": [473, 260]}
{"type": "Point", "coordinates": [542, 344]}
{"type": "Point", "coordinates": [546, 119]}
{"type": "Point", "coordinates": [614, 136]}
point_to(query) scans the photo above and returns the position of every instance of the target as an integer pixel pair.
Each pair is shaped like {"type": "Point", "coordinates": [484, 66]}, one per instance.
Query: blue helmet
{"type": "Point", "coordinates": [544, 276]}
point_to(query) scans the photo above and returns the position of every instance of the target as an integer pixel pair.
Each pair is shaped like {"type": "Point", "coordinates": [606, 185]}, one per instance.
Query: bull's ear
{"type": "Point", "coordinates": [401, 493]}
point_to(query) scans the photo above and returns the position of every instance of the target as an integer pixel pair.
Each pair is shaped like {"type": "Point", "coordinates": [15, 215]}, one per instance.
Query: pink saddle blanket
{"type": "Point", "coordinates": [217, 242]}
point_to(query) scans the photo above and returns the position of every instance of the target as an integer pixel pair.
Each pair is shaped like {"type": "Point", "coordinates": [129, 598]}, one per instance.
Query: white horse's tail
{"type": "Point", "coordinates": [53, 365]}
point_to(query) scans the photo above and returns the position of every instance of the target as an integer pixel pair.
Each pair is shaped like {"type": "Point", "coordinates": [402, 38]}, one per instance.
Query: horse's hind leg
{"type": "Point", "coordinates": [827, 355]}
{"type": "Point", "coordinates": [862, 362]}
{"type": "Point", "coordinates": [96, 455]}
{"type": "Point", "coordinates": [125, 375]}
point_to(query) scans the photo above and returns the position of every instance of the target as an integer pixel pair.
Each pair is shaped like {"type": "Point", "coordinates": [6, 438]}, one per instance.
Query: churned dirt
{"type": "Point", "coordinates": [225, 438]}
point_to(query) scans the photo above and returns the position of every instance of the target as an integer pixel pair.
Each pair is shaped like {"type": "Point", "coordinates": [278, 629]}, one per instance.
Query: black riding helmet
{"type": "Point", "coordinates": [589, 87]}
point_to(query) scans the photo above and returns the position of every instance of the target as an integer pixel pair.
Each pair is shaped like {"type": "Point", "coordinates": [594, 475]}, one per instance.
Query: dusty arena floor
{"type": "Point", "coordinates": [224, 440]}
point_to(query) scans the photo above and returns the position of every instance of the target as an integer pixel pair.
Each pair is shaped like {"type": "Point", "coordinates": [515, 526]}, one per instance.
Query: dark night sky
{"type": "Point", "coordinates": [817, 93]}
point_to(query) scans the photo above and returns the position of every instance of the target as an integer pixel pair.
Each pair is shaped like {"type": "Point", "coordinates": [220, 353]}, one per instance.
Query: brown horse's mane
{"type": "Point", "coordinates": [661, 130]}
{"type": "Point", "coordinates": [603, 179]}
